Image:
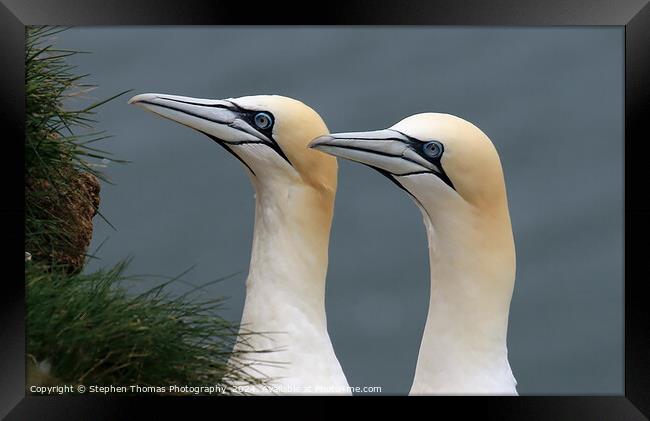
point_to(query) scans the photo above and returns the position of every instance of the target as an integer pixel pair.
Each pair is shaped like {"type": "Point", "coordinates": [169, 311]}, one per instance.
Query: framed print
{"type": "Point", "coordinates": [491, 243]}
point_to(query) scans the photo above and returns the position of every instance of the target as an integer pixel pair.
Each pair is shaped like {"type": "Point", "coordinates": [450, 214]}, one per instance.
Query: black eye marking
{"type": "Point", "coordinates": [255, 119]}
{"type": "Point", "coordinates": [432, 151]}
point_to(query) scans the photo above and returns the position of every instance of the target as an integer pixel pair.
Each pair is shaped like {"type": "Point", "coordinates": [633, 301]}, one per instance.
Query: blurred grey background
{"type": "Point", "coordinates": [551, 99]}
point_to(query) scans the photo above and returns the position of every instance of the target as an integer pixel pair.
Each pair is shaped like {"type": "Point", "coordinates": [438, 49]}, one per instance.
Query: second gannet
{"type": "Point", "coordinates": [294, 199]}
{"type": "Point", "coordinates": [453, 173]}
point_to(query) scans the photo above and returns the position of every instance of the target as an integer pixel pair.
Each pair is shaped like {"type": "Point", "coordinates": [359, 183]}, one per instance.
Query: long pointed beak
{"type": "Point", "coordinates": [217, 118]}
{"type": "Point", "coordinates": [387, 150]}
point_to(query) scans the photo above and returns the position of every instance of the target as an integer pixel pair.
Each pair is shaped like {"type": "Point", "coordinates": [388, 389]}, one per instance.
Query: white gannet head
{"type": "Point", "coordinates": [269, 134]}
{"type": "Point", "coordinates": [435, 157]}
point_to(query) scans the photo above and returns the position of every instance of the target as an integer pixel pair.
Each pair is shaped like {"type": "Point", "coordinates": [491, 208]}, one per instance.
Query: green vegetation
{"type": "Point", "coordinates": [61, 185]}
{"type": "Point", "coordinates": [84, 328]}
{"type": "Point", "coordinates": [91, 332]}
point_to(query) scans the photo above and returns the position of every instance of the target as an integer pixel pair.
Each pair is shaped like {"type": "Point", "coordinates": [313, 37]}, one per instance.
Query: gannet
{"type": "Point", "coordinates": [294, 200]}
{"type": "Point", "coordinates": [452, 171]}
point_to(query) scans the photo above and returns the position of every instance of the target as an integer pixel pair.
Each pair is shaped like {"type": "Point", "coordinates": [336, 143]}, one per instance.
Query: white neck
{"type": "Point", "coordinates": [471, 257]}
{"type": "Point", "coordinates": [287, 269]}
{"type": "Point", "coordinates": [285, 289]}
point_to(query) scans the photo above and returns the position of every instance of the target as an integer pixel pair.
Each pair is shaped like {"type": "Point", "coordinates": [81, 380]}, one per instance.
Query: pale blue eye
{"type": "Point", "coordinates": [263, 120]}
{"type": "Point", "coordinates": [432, 149]}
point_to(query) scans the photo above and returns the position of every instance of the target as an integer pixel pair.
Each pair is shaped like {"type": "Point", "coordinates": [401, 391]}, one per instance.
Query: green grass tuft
{"type": "Point", "coordinates": [58, 161]}
{"type": "Point", "coordinates": [91, 331]}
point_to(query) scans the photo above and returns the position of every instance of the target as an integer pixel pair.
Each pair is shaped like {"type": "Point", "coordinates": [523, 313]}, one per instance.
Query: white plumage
{"type": "Point", "coordinates": [295, 188]}
{"type": "Point", "coordinates": [452, 171]}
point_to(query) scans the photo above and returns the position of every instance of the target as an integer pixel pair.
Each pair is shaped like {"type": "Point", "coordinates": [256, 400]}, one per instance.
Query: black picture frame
{"type": "Point", "coordinates": [634, 15]}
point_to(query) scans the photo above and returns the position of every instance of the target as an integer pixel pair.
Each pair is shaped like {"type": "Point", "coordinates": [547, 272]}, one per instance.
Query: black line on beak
{"type": "Point", "coordinates": [198, 104]}
{"type": "Point", "coordinates": [372, 151]}
{"type": "Point", "coordinates": [180, 110]}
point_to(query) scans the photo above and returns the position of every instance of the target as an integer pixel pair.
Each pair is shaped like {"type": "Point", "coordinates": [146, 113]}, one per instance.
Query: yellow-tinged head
{"type": "Point", "coordinates": [269, 134]}
{"type": "Point", "coordinates": [428, 154]}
